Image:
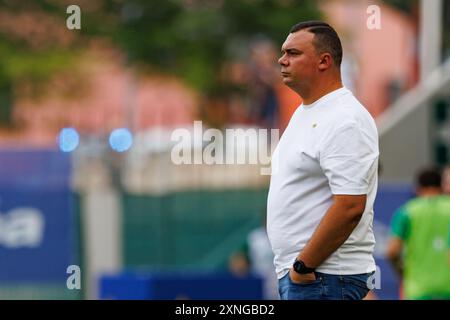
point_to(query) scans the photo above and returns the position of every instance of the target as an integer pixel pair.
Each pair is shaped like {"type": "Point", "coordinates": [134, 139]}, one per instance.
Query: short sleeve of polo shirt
{"type": "Point", "coordinates": [400, 224]}
{"type": "Point", "coordinates": [348, 157]}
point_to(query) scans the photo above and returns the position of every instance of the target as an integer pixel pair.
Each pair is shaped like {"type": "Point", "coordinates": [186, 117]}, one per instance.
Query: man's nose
{"type": "Point", "coordinates": [282, 61]}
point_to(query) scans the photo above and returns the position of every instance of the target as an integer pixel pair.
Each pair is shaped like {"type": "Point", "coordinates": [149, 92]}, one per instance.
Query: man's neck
{"type": "Point", "coordinates": [320, 90]}
{"type": "Point", "coordinates": [429, 192]}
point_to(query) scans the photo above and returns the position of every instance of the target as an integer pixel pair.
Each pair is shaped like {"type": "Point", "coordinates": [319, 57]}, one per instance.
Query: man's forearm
{"type": "Point", "coordinates": [394, 254]}
{"type": "Point", "coordinates": [334, 229]}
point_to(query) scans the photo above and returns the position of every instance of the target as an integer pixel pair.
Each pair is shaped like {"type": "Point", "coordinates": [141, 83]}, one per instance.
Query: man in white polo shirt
{"type": "Point", "coordinates": [324, 182]}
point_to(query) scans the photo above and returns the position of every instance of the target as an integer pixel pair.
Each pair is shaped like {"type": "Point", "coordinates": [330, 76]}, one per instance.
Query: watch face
{"type": "Point", "coordinates": [298, 266]}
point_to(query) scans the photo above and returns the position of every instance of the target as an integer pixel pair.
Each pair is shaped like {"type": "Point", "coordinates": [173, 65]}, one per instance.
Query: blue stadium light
{"type": "Point", "coordinates": [68, 139]}
{"type": "Point", "coordinates": [121, 139]}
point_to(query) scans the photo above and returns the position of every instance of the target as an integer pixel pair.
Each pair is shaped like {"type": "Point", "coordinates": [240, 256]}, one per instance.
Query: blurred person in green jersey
{"type": "Point", "coordinates": [446, 180]}
{"type": "Point", "coordinates": [446, 190]}
{"type": "Point", "coordinates": [448, 245]}
{"type": "Point", "coordinates": [418, 247]}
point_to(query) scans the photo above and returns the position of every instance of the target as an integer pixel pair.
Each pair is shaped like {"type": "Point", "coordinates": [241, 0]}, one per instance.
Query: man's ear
{"type": "Point", "coordinates": [325, 61]}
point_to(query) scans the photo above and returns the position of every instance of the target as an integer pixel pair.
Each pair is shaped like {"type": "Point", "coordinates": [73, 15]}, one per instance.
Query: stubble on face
{"type": "Point", "coordinates": [297, 60]}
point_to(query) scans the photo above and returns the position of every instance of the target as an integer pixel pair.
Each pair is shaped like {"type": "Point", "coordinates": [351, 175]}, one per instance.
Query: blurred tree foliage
{"type": "Point", "coordinates": [33, 46]}
{"type": "Point", "coordinates": [192, 39]}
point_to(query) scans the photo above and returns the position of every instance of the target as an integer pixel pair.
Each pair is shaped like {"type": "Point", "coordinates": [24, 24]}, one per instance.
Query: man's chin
{"type": "Point", "coordinates": [287, 80]}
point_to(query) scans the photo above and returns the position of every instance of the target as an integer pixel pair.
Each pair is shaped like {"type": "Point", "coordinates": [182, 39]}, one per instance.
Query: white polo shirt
{"type": "Point", "coordinates": [329, 147]}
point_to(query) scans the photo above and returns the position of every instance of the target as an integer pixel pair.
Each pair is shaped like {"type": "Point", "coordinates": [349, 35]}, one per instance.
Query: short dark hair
{"type": "Point", "coordinates": [326, 38]}
{"type": "Point", "coordinates": [429, 177]}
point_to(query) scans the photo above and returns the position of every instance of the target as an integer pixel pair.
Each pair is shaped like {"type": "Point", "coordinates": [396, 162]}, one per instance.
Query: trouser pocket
{"type": "Point", "coordinates": [355, 287]}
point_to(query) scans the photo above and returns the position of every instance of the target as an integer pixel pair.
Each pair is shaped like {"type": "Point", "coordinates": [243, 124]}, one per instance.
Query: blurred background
{"type": "Point", "coordinates": [86, 117]}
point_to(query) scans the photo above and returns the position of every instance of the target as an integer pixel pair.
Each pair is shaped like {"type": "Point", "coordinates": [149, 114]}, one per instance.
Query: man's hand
{"type": "Point", "coordinates": [301, 278]}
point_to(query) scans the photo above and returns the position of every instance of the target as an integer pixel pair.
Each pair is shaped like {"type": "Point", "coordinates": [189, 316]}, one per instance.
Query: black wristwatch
{"type": "Point", "coordinates": [301, 268]}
